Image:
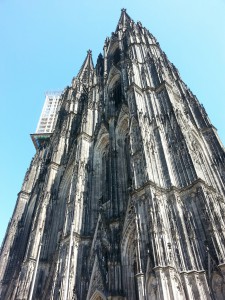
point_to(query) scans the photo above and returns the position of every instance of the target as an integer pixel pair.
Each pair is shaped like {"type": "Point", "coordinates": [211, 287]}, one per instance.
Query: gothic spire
{"type": "Point", "coordinates": [120, 196]}
{"type": "Point", "coordinates": [87, 68]}
{"type": "Point", "coordinates": [124, 20]}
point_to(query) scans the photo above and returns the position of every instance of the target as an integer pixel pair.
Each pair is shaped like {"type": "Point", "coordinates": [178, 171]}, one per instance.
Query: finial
{"type": "Point", "coordinates": [123, 10]}
{"type": "Point", "coordinates": [89, 52]}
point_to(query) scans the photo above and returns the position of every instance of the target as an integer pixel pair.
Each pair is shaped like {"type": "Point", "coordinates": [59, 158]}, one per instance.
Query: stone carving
{"type": "Point", "coordinates": [126, 199]}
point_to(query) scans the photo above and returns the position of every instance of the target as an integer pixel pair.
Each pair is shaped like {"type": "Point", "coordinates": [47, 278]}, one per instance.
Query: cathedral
{"type": "Point", "coordinates": [125, 198]}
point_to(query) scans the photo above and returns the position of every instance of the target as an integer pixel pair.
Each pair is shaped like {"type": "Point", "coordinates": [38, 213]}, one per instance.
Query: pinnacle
{"type": "Point", "coordinates": [89, 52]}
{"type": "Point", "coordinates": [87, 66]}
{"type": "Point", "coordinates": [124, 20]}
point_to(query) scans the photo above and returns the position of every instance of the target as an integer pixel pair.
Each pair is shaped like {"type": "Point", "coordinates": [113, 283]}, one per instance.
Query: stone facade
{"type": "Point", "coordinates": [127, 199]}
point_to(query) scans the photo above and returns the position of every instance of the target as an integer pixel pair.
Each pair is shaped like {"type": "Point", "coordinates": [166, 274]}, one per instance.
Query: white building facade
{"type": "Point", "coordinates": [49, 113]}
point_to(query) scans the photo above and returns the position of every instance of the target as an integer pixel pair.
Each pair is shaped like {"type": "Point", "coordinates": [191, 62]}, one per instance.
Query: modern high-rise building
{"type": "Point", "coordinates": [48, 119]}
{"type": "Point", "coordinates": [125, 199]}
{"type": "Point", "coordinates": [48, 116]}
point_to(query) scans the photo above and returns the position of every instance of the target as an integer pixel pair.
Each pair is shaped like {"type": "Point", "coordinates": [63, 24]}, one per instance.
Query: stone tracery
{"type": "Point", "coordinates": [127, 199]}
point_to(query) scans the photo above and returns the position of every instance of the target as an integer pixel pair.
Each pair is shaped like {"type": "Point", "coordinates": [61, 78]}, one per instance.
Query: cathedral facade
{"type": "Point", "coordinates": [125, 199]}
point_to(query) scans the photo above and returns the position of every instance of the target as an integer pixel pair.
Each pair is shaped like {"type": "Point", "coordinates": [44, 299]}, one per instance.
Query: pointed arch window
{"type": "Point", "coordinates": [116, 94]}
{"type": "Point", "coordinates": [128, 160]}
{"type": "Point", "coordinates": [105, 177]}
{"type": "Point", "coordinates": [114, 58]}
{"type": "Point", "coordinates": [98, 296]}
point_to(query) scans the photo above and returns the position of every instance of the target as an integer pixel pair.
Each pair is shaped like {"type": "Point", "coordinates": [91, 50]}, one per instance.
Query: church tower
{"type": "Point", "coordinates": [125, 199]}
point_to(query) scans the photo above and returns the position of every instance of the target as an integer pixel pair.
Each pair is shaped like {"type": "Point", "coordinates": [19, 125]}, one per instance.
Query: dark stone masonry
{"type": "Point", "coordinates": [125, 199]}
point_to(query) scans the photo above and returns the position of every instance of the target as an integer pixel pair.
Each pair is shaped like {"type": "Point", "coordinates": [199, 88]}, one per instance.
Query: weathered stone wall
{"type": "Point", "coordinates": [126, 201]}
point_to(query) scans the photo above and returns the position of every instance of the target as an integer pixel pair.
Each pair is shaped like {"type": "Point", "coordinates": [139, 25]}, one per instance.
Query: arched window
{"type": "Point", "coordinates": [128, 160]}
{"type": "Point", "coordinates": [114, 58]}
{"type": "Point", "coordinates": [98, 296]}
{"type": "Point", "coordinates": [115, 94]}
{"type": "Point", "coordinates": [129, 263]}
{"type": "Point", "coordinates": [105, 177]}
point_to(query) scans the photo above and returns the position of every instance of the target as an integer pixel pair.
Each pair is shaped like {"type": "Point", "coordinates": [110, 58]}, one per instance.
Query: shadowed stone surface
{"type": "Point", "coordinates": [126, 198]}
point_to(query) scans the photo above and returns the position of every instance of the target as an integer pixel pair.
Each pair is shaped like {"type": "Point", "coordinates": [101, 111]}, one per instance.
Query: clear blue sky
{"type": "Point", "coordinates": [43, 44]}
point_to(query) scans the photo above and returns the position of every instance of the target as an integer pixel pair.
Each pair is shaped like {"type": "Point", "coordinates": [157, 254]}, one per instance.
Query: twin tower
{"type": "Point", "coordinates": [125, 199]}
